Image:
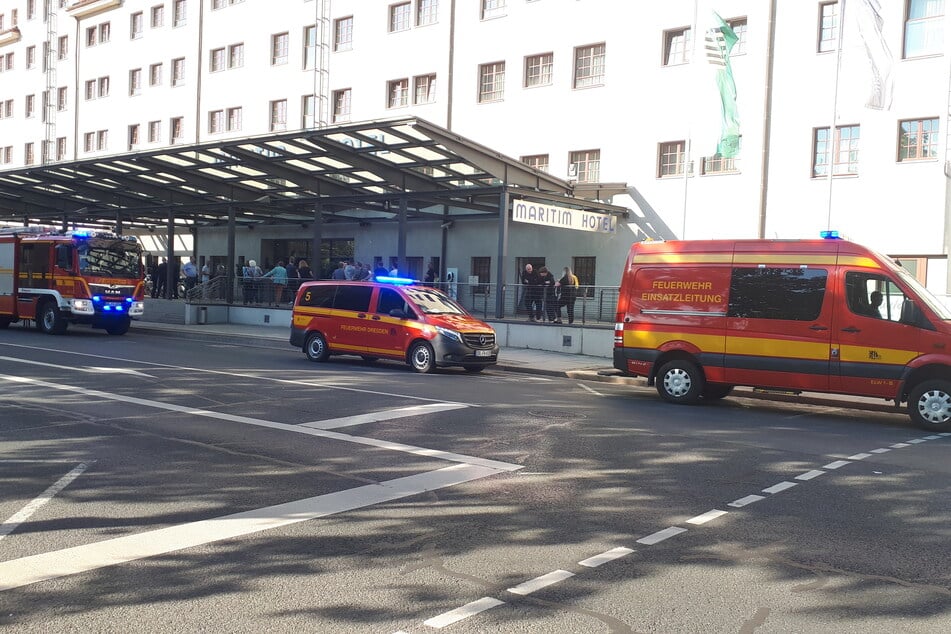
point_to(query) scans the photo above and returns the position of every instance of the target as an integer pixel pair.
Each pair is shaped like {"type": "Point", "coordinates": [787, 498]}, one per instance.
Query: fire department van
{"type": "Point", "coordinates": [699, 317]}
{"type": "Point", "coordinates": [390, 318]}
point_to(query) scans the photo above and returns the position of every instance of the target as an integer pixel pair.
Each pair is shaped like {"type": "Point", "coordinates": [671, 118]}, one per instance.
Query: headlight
{"type": "Point", "coordinates": [82, 307]}
{"type": "Point", "coordinates": [137, 308]}
{"type": "Point", "coordinates": [449, 334]}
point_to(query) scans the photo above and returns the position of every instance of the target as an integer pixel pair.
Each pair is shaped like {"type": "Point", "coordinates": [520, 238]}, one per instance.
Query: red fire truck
{"type": "Point", "coordinates": [60, 277]}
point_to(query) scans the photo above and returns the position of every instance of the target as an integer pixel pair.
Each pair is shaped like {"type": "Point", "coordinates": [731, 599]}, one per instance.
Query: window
{"type": "Point", "coordinates": [794, 294]}
{"type": "Point", "coordinates": [7, 154]}
{"type": "Point", "coordinates": [102, 140]}
{"type": "Point", "coordinates": [155, 74]}
{"type": "Point", "coordinates": [61, 148]}
{"type": "Point", "coordinates": [400, 16]}
{"type": "Point", "coordinates": [30, 14]}
{"type": "Point", "coordinates": [875, 296]}
{"type": "Point", "coordinates": [924, 28]}
{"type": "Point", "coordinates": [6, 111]}
{"type": "Point", "coordinates": [62, 98]}
{"type": "Point", "coordinates": [30, 56]}
{"type": "Point", "coordinates": [589, 66]}
{"type": "Point", "coordinates": [103, 87]}
{"type": "Point", "coordinates": [717, 164]}
{"type": "Point", "coordinates": [310, 47]}
{"type": "Point", "coordinates": [739, 28]}
{"type": "Point", "coordinates": [481, 267]}
{"type": "Point", "coordinates": [426, 12]}
{"type": "Point", "coordinates": [178, 13]}
{"type": "Point", "coordinates": [62, 48]}
{"type": "Point", "coordinates": [136, 24]}
{"type": "Point", "coordinates": [135, 81]}
{"type": "Point", "coordinates": [216, 121]}
{"type": "Point", "coordinates": [343, 34]}
{"type": "Point", "coordinates": [155, 131]}
{"type": "Point", "coordinates": [234, 119]}
{"type": "Point", "coordinates": [28, 155]}
{"type": "Point", "coordinates": [584, 269]}
{"type": "Point", "coordinates": [828, 26]}
{"type": "Point", "coordinates": [677, 45]}
{"type": "Point", "coordinates": [91, 36]}
{"type": "Point", "coordinates": [491, 82]}
{"type": "Point", "coordinates": [158, 16]}
{"type": "Point", "coordinates": [89, 141]}
{"type": "Point", "coordinates": [178, 71]}
{"type": "Point", "coordinates": [585, 165]}
{"type": "Point", "coordinates": [424, 89]}
{"type": "Point", "coordinates": [13, 18]}
{"type": "Point", "coordinates": [279, 47]}
{"type": "Point", "coordinates": [844, 147]}
{"type": "Point", "coordinates": [308, 111]}
{"type": "Point", "coordinates": [670, 158]}
{"type": "Point", "coordinates": [278, 115]}
{"type": "Point", "coordinates": [9, 58]}
{"type": "Point", "coordinates": [177, 129]}
{"type": "Point", "coordinates": [217, 60]}
{"type": "Point", "coordinates": [538, 70]}
{"type": "Point", "coordinates": [133, 136]}
{"type": "Point", "coordinates": [341, 105]}
{"type": "Point", "coordinates": [397, 93]}
{"type": "Point", "coordinates": [29, 107]}
{"type": "Point", "coordinates": [90, 89]}
{"type": "Point", "coordinates": [918, 140]}
{"type": "Point", "coordinates": [353, 298]}
{"type": "Point", "coordinates": [538, 161]}
{"type": "Point", "coordinates": [492, 9]}
{"type": "Point", "coordinates": [105, 32]}
{"type": "Point", "coordinates": [236, 56]}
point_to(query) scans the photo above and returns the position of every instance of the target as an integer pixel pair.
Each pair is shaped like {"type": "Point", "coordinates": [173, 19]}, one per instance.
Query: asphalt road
{"type": "Point", "coordinates": [153, 484]}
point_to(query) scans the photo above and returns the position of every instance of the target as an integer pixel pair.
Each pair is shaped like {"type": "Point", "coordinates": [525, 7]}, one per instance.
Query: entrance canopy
{"type": "Point", "coordinates": [363, 172]}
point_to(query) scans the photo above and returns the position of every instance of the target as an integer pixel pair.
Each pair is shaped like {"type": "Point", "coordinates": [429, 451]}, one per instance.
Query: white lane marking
{"type": "Point", "coordinates": [24, 514]}
{"type": "Point", "coordinates": [130, 371]}
{"type": "Point", "coordinates": [469, 609]}
{"type": "Point", "coordinates": [935, 437]}
{"type": "Point", "coordinates": [595, 392]}
{"type": "Point", "coordinates": [543, 581]}
{"type": "Point", "coordinates": [191, 411]}
{"type": "Point", "coordinates": [605, 557]}
{"type": "Point", "coordinates": [27, 570]}
{"type": "Point", "coordinates": [89, 370]}
{"type": "Point", "coordinates": [837, 464]}
{"type": "Point", "coordinates": [376, 417]}
{"type": "Point", "coordinates": [917, 441]}
{"type": "Point", "coordinates": [782, 486]}
{"type": "Point", "coordinates": [945, 434]}
{"type": "Point", "coordinates": [860, 456]}
{"type": "Point", "coordinates": [900, 445]}
{"type": "Point", "coordinates": [707, 517]}
{"type": "Point", "coordinates": [809, 475]}
{"type": "Point", "coordinates": [880, 450]}
{"type": "Point", "coordinates": [660, 536]}
{"type": "Point", "coordinates": [749, 499]}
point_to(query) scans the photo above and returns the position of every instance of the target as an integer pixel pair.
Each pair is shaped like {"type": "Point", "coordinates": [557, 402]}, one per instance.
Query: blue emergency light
{"type": "Point", "coordinates": [385, 279]}
{"type": "Point", "coordinates": [830, 235]}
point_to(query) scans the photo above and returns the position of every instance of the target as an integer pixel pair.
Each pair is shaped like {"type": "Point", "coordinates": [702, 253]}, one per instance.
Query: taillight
{"type": "Point", "coordinates": [619, 335]}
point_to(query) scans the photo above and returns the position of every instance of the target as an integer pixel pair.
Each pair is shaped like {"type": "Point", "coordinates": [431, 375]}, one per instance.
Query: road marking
{"type": "Point", "coordinates": [916, 441]}
{"type": "Point", "coordinates": [543, 581]}
{"type": "Point", "coordinates": [36, 504]}
{"type": "Point", "coordinates": [881, 450]}
{"type": "Point", "coordinates": [836, 464]}
{"type": "Point", "coordinates": [935, 437]}
{"type": "Point", "coordinates": [706, 517]}
{"type": "Point", "coordinates": [900, 445]}
{"type": "Point", "coordinates": [660, 536]}
{"type": "Point", "coordinates": [777, 488]}
{"type": "Point", "coordinates": [945, 434]}
{"type": "Point", "coordinates": [70, 561]}
{"type": "Point", "coordinates": [89, 370]}
{"type": "Point", "coordinates": [376, 417]}
{"type": "Point", "coordinates": [595, 392]}
{"type": "Point", "coordinates": [299, 429]}
{"type": "Point", "coordinates": [605, 557]}
{"type": "Point", "coordinates": [749, 499]}
{"type": "Point", "coordinates": [860, 456]}
{"type": "Point", "coordinates": [469, 609]}
{"type": "Point", "coordinates": [809, 475]}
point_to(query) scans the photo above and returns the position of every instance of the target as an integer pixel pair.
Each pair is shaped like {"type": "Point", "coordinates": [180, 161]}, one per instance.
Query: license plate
{"type": "Point", "coordinates": [483, 353]}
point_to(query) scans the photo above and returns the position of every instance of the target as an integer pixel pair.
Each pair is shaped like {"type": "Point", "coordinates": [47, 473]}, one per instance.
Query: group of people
{"type": "Point", "coordinates": [544, 296]}
{"type": "Point", "coordinates": [275, 287]}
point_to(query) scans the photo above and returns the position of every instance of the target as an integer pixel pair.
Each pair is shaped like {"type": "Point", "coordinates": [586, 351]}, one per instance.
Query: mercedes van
{"type": "Point", "coordinates": [699, 317]}
{"type": "Point", "coordinates": [390, 318]}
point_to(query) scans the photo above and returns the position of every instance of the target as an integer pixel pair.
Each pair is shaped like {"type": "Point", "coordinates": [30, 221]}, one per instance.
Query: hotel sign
{"type": "Point", "coordinates": [562, 217]}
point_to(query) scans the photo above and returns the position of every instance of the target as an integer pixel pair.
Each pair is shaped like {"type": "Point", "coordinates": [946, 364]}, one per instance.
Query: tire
{"type": "Point", "coordinates": [929, 405]}
{"type": "Point", "coordinates": [422, 358]}
{"type": "Point", "coordinates": [50, 320]}
{"type": "Point", "coordinates": [119, 327]}
{"type": "Point", "coordinates": [472, 369]}
{"type": "Point", "coordinates": [316, 347]}
{"type": "Point", "coordinates": [680, 381]}
{"type": "Point", "coordinates": [716, 391]}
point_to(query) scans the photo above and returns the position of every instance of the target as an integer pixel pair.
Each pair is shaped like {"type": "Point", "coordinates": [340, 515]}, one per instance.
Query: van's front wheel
{"type": "Point", "coordinates": [929, 405]}
{"type": "Point", "coordinates": [422, 357]}
{"type": "Point", "coordinates": [680, 381]}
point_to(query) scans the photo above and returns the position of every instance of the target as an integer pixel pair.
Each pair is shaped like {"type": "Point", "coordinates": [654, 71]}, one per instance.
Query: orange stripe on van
{"type": "Point", "coordinates": [655, 339]}
{"type": "Point", "coordinates": [779, 348]}
{"type": "Point", "coordinates": [866, 354]}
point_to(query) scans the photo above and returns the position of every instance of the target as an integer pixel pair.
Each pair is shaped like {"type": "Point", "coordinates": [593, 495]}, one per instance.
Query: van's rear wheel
{"type": "Point", "coordinates": [680, 381]}
{"type": "Point", "coordinates": [422, 357]}
{"type": "Point", "coordinates": [929, 405]}
{"type": "Point", "coordinates": [316, 347]}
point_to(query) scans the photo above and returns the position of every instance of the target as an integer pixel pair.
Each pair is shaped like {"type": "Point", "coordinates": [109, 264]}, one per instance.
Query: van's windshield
{"type": "Point", "coordinates": [939, 308]}
{"type": "Point", "coordinates": [433, 302]}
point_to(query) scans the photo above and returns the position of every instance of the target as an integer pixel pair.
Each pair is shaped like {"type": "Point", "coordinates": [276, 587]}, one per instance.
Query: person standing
{"type": "Point", "coordinates": [161, 278]}
{"type": "Point", "coordinates": [339, 272]}
{"type": "Point", "coordinates": [530, 290]}
{"type": "Point", "coordinates": [568, 286]}
{"type": "Point", "coordinates": [293, 279]}
{"type": "Point", "coordinates": [278, 276]}
{"type": "Point", "coordinates": [190, 270]}
{"type": "Point", "coordinates": [546, 286]}
{"type": "Point", "coordinates": [176, 277]}
{"type": "Point", "coordinates": [303, 270]}
{"type": "Point", "coordinates": [250, 275]}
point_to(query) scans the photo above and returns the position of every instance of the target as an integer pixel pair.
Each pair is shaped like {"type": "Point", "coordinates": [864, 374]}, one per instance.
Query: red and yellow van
{"type": "Point", "coordinates": [699, 317]}
{"type": "Point", "coordinates": [393, 319]}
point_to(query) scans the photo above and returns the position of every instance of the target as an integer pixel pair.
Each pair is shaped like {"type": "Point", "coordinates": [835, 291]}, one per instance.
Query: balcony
{"type": "Point", "coordinates": [9, 36]}
{"type": "Point", "coordinates": [80, 9]}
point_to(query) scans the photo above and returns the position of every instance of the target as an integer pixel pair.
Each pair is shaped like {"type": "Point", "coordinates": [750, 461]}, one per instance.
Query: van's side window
{"type": "Point", "coordinates": [777, 293]}
{"type": "Point", "coordinates": [318, 296]}
{"type": "Point", "coordinates": [873, 295]}
{"type": "Point", "coordinates": [353, 298]}
{"type": "Point", "coordinates": [391, 300]}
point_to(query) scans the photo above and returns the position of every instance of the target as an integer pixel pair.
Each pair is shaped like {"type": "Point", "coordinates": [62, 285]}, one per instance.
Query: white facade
{"type": "Point", "coordinates": [638, 103]}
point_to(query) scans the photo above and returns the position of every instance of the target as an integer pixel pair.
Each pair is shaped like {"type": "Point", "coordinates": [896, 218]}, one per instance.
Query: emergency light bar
{"type": "Point", "coordinates": [830, 235]}
{"type": "Point", "coordinates": [385, 279]}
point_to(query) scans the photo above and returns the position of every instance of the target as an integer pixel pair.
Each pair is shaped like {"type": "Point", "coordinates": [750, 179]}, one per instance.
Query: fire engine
{"type": "Point", "coordinates": [60, 277]}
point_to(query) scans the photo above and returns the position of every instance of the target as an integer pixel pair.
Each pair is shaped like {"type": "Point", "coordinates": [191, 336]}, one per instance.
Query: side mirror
{"type": "Point", "coordinates": [398, 313]}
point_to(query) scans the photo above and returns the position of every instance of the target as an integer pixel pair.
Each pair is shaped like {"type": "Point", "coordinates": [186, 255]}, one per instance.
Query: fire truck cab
{"type": "Point", "coordinates": [60, 277]}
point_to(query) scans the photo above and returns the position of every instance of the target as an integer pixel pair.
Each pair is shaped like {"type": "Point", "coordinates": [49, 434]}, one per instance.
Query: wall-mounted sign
{"type": "Point", "coordinates": [562, 217]}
